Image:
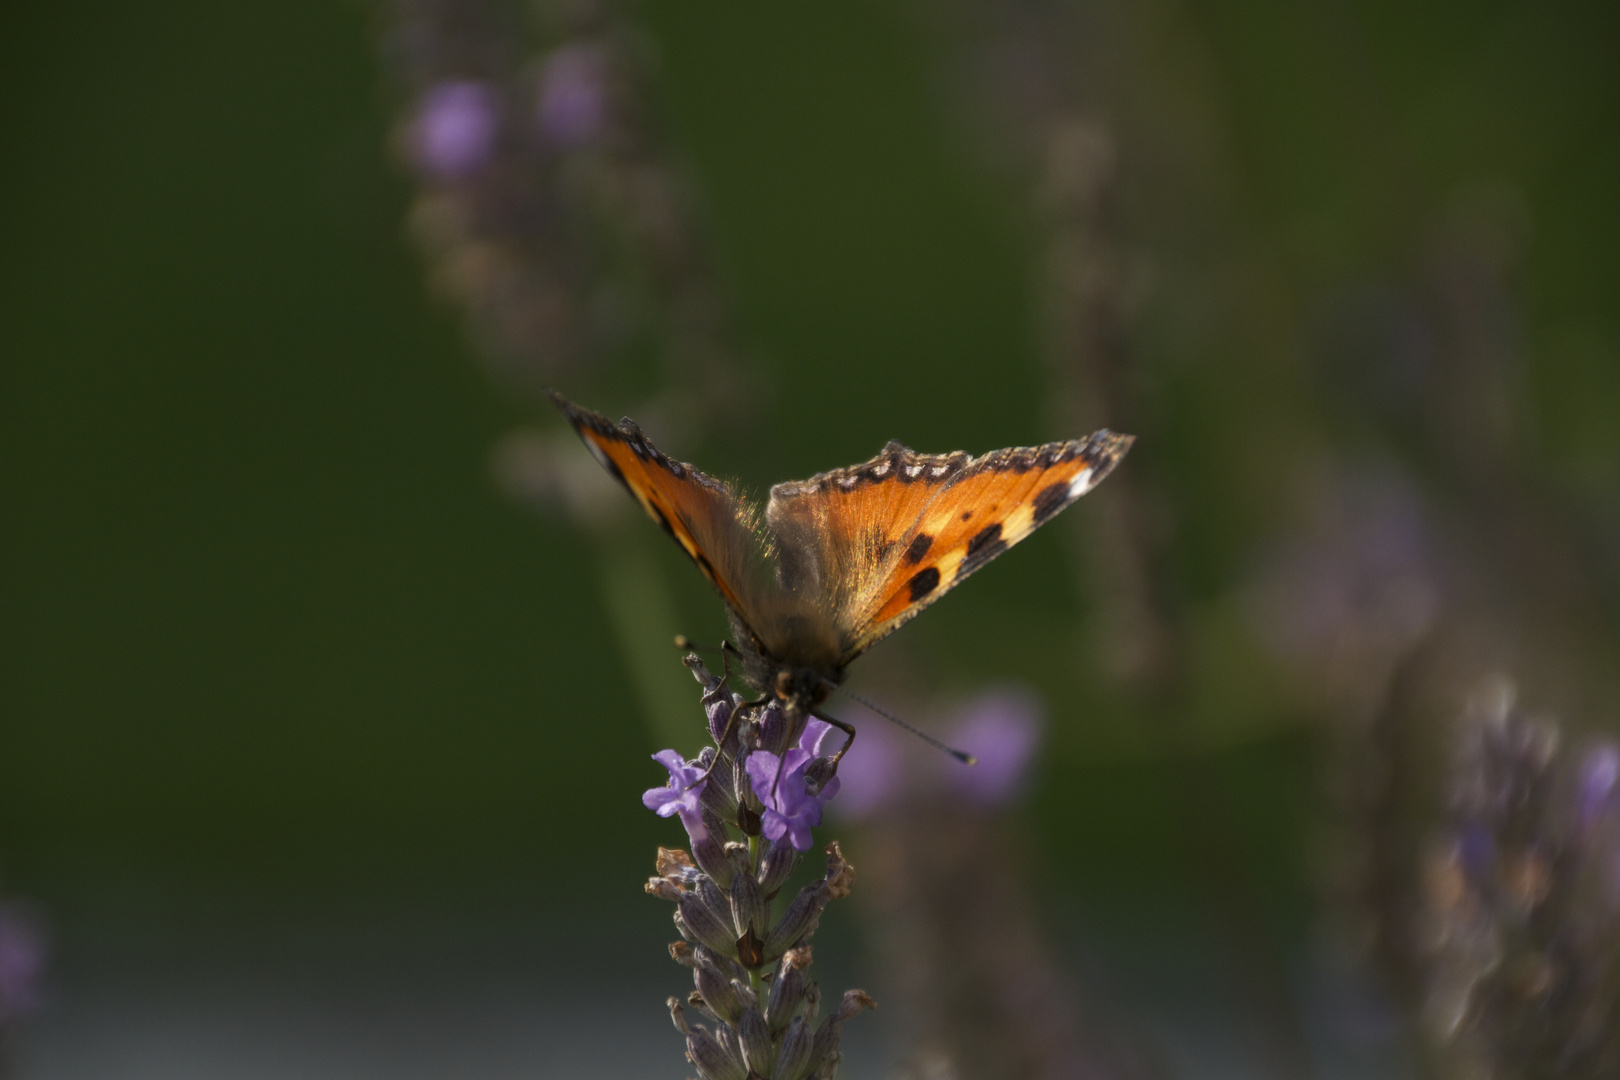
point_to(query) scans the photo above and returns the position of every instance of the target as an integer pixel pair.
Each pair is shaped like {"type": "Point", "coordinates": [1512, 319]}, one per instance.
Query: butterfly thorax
{"type": "Point", "coordinates": [795, 674]}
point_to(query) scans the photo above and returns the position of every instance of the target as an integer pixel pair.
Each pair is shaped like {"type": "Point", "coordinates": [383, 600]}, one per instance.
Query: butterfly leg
{"type": "Point", "coordinates": [847, 729]}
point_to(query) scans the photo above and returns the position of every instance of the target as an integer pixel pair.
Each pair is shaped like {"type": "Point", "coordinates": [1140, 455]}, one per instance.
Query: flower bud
{"type": "Point", "coordinates": [793, 1059]}
{"type": "Point", "coordinates": [713, 1061]}
{"type": "Point", "coordinates": [745, 993]}
{"type": "Point", "coordinates": [727, 1038]}
{"type": "Point", "coordinates": [827, 1043]}
{"type": "Point", "coordinates": [799, 921]}
{"type": "Point", "coordinates": [720, 795]}
{"type": "Point", "coordinates": [787, 994]}
{"type": "Point", "coordinates": [695, 1000]}
{"type": "Point", "coordinates": [817, 774]}
{"type": "Point", "coordinates": [755, 1037]}
{"type": "Point", "coordinates": [747, 905]}
{"type": "Point", "coordinates": [710, 854]}
{"type": "Point", "coordinates": [776, 865]}
{"type": "Point", "coordinates": [698, 924]}
{"type": "Point", "coordinates": [717, 993]}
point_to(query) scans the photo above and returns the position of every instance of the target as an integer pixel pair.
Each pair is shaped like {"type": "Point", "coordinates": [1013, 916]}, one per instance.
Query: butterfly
{"type": "Point", "coordinates": [834, 564]}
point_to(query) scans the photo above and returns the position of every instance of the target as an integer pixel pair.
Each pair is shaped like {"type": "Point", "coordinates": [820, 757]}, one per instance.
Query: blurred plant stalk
{"type": "Point", "coordinates": [967, 962]}
{"type": "Point", "coordinates": [551, 213]}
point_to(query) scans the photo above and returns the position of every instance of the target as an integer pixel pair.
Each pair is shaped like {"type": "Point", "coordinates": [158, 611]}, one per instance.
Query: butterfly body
{"type": "Point", "coordinates": [836, 563]}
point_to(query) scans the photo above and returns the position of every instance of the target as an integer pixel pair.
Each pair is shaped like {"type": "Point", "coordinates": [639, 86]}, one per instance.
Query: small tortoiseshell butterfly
{"type": "Point", "coordinates": [838, 562]}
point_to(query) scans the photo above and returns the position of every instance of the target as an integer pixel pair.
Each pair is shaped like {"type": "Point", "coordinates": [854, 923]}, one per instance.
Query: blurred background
{"type": "Point", "coordinates": [332, 667]}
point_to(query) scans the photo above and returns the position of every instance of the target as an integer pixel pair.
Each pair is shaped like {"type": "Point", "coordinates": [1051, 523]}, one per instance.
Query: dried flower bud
{"type": "Point", "coordinates": [681, 952]}
{"type": "Point", "coordinates": [840, 874]}
{"type": "Point", "coordinates": [855, 1002]}
{"type": "Point", "coordinates": [678, 1016]}
{"type": "Point", "coordinates": [672, 862]}
{"type": "Point", "coordinates": [664, 889]}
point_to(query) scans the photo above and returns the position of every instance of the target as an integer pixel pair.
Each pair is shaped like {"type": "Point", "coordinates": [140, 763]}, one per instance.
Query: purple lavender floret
{"type": "Point", "coordinates": [791, 809]}
{"type": "Point", "coordinates": [454, 132]}
{"type": "Point", "coordinates": [682, 795]}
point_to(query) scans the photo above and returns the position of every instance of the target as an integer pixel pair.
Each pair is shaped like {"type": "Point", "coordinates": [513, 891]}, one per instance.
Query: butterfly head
{"type": "Point", "coordinates": [802, 686]}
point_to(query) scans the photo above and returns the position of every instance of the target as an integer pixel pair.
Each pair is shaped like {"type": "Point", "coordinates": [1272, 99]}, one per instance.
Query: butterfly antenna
{"type": "Point", "coordinates": [960, 755]}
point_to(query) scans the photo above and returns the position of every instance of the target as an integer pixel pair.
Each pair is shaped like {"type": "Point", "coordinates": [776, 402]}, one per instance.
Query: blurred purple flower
{"type": "Point", "coordinates": [454, 130]}
{"type": "Point", "coordinates": [872, 772]}
{"type": "Point", "coordinates": [680, 795]}
{"type": "Point", "coordinates": [1599, 771]}
{"type": "Point", "coordinates": [22, 959]}
{"type": "Point", "coordinates": [1001, 728]}
{"type": "Point", "coordinates": [790, 810]}
{"type": "Point", "coordinates": [573, 95]}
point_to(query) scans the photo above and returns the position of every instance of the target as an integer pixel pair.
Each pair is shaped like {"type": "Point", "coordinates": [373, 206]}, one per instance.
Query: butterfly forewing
{"type": "Point", "coordinates": [701, 513]}
{"type": "Point", "coordinates": [975, 513]}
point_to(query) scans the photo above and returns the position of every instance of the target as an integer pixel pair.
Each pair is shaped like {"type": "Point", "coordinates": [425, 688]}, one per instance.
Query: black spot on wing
{"type": "Point", "coordinates": [923, 582]}
{"type": "Point", "coordinates": [918, 548]}
{"type": "Point", "coordinates": [966, 514]}
{"type": "Point", "coordinates": [1050, 500]}
{"type": "Point", "coordinates": [985, 545]}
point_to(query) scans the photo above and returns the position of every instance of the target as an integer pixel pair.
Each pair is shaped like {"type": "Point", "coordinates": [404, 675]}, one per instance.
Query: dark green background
{"type": "Point", "coordinates": [268, 626]}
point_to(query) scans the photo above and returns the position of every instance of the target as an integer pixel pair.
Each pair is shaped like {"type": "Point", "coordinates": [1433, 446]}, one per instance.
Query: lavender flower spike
{"type": "Point", "coordinates": [749, 955]}
{"type": "Point", "coordinates": [681, 795]}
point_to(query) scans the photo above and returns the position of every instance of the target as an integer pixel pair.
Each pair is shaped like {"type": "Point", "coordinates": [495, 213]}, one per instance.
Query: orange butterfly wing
{"type": "Point", "coordinates": [701, 513]}
{"type": "Point", "coordinates": [898, 532]}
